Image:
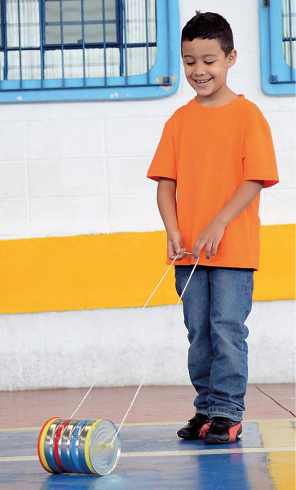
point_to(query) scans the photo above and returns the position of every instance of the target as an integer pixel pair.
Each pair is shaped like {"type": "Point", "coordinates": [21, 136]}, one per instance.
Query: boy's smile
{"type": "Point", "coordinates": [206, 68]}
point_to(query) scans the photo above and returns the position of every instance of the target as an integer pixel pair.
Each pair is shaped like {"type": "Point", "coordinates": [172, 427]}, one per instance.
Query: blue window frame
{"type": "Point", "coordinates": [88, 49]}
{"type": "Point", "coordinates": [278, 46]}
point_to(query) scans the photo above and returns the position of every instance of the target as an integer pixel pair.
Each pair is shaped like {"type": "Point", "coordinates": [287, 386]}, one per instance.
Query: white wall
{"type": "Point", "coordinates": [79, 168]}
{"type": "Point", "coordinates": [69, 349]}
{"type": "Point", "coordinates": [63, 162]}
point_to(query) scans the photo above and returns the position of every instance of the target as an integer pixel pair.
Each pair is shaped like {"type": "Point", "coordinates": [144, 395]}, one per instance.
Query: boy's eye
{"type": "Point", "coordinates": [191, 63]}
{"type": "Point", "coordinates": [209, 62]}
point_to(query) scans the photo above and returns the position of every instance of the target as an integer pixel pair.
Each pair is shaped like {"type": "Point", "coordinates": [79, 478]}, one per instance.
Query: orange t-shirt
{"type": "Point", "coordinates": [210, 151]}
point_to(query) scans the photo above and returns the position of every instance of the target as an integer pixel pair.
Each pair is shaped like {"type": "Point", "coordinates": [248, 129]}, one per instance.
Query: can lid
{"type": "Point", "coordinates": [103, 448]}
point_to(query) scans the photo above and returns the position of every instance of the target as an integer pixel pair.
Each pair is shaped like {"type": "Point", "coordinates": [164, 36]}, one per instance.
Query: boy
{"type": "Point", "coordinates": [213, 159]}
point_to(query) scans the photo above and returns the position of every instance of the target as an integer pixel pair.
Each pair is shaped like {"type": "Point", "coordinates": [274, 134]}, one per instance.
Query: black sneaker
{"type": "Point", "coordinates": [196, 427]}
{"type": "Point", "coordinates": [223, 431]}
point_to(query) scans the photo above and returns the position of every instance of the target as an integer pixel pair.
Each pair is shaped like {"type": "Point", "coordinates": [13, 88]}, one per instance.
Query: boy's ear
{"type": "Point", "coordinates": [232, 58]}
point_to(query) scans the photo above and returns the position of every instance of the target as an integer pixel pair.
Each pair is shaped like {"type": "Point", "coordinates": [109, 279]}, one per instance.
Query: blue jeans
{"type": "Point", "coordinates": [216, 304]}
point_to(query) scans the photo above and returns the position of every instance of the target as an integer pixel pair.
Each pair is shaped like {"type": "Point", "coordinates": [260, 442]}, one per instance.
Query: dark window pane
{"type": "Point", "coordinates": [72, 34]}
{"type": "Point", "coordinates": [53, 34]}
{"type": "Point", "coordinates": [71, 10]}
{"type": "Point", "coordinates": [52, 11]}
{"type": "Point", "coordinates": [94, 33]}
{"type": "Point", "coordinates": [93, 10]}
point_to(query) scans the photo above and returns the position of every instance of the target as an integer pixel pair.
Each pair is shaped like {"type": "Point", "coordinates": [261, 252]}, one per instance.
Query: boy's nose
{"type": "Point", "coordinates": [199, 70]}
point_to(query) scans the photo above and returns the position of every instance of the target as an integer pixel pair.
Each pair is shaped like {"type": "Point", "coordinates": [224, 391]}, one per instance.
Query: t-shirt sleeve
{"type": "Point", "coordinates": [164, 160]}
{"type": "Point", "coordinates": [259, 160]}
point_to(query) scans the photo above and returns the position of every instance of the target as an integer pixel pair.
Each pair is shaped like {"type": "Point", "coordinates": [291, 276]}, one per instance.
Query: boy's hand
{"type": "Point", "coordinates": [212, 235]}
{"type": "Point", "coordinates": [175, 246]}
{"type": "Point", "coordinates": [210, 238]}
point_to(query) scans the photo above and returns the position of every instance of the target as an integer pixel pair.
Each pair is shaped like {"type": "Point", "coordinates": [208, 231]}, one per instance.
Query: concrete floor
{"type": "Point", "coordinates": [153, 457]}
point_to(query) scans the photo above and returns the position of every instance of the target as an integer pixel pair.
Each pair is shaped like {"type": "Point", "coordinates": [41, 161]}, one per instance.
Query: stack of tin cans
{"type": "Point", "coordinates": [79, 446]}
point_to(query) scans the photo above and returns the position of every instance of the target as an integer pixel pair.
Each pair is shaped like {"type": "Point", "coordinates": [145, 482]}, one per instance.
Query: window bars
{"type": "Point", "coordinates": [76, 43]}
{"type": "Point", "coordinates": [289, 33]}
{"type": "Point", "coordinates": [277, 46]}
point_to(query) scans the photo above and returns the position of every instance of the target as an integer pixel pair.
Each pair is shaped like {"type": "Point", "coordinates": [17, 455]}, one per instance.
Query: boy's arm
{"type": "Point", "coordinates": [211, 236]}
{"type": "Point", "coordinates": [166, 200]}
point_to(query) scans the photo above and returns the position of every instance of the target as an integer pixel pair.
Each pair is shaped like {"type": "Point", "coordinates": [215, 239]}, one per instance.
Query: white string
{"type": "Point", "coordinates": [117, 348]}
{"type": "Point", "coordinates": [185, 287]}
{"type": "Point", "coordinates": [151, 360]}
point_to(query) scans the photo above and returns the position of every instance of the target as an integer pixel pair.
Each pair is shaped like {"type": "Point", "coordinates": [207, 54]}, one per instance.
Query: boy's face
{"type": "Point", "coordinates": [206, 68]}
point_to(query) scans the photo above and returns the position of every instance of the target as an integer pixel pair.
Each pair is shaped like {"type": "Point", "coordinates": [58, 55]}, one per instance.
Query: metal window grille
{"type": "Point", "coordinates": [289, 32]}
{"type": "Point", "coordinates": [76, 43]}
{"type": "Point", "coordinates": [277, 45]}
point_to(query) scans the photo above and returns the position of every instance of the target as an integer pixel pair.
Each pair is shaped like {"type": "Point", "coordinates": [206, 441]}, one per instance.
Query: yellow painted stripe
{"type": "Point", "coordinates": [286, 423]}
{"type": "Point", "coordinates": [281, 463]}
{"type": "Point", "coordinates": [282, 469]}
{"type": "Point", "coordinates": [118, 270]}
{"type": "Point", "coordinates": [270, 422]}
{"type": "Point", "coordinates": [275, 279]}
{"type": "Point", "coordinates": [277, 432]}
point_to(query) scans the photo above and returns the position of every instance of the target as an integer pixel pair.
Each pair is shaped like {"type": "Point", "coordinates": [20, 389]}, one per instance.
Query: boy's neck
{"type": "Point", "coordinates": [217, 99]}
